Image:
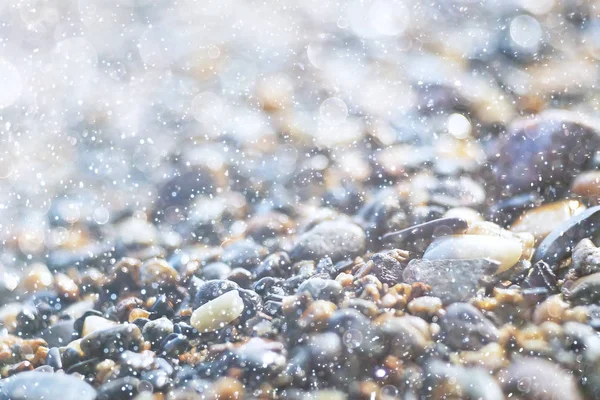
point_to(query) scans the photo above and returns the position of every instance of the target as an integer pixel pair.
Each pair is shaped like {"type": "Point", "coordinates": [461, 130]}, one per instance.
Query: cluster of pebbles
{"type": "Point", "coordinates": [434, 238]}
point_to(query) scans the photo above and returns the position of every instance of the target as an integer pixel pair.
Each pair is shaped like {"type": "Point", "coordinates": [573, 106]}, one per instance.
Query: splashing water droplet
{"type": "Point", "coordinates": [333, 111]}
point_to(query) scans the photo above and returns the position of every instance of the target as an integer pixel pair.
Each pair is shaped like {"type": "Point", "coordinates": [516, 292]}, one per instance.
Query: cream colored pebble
{"type": "Point", "coordinates": [218, 312]}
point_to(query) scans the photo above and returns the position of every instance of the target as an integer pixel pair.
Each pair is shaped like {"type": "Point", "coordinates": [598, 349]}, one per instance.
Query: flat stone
{"type": "Point", "coordinates": [337, 239]}
{"type": "Point", "coordinates": [36, 385]}
{"type": "Point", "coordinates": [466, 247]}
{"type": "Point", "coordinates": [450, 280]}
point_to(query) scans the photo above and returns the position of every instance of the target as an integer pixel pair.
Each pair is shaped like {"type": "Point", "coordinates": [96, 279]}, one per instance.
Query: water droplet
{"type": "Point", "coordinates": [333, 111]}
{"type": "Point", "coordinates": [526, 31]}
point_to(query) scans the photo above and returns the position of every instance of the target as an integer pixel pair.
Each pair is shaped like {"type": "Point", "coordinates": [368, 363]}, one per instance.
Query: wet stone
{"type": "Point", "coordinates": [157, 330]}
{"type": "Point", "coordinates": [450, 280]}
{"type": "Point", "coordinates": [111, 342]}
{"type": "Point", "coordinates": [243, 254]}
{"type": "Point", "coordinates": [550, 149]}
{"type": "Point", "coordinates": [586, 258]}
{"type": "Point", "coordinates": [418, 237]}
{"type": "Point", "coordinates": [464, 327]}
{"type": "Point", "coordinates": [560, 242]}
{"type": "Point", "coordinates": [465, 247]}
{"type": "Point", "coordinates": [447, 380]}
{"type": "Point", "coordinates": [216, 270]}
{"type": "Point", "coordinates": [59, 334]}
{"type": "Point", "coordinates": [217, 313]}
{"type": "Point", "coordinates": [322, 289]}
{"type": "Point", "coordinates": [119, 389]}
{"type": "Point", "coordinates": [387, 267]}
{"type": "Point", "coordinates": [336, 239]}
{"type": "Point", "coordinates": [42, 385]}
{"type": "Point", "coordinates": [532, 378]}
{"type": "Point", "coordinates": [585, 290]}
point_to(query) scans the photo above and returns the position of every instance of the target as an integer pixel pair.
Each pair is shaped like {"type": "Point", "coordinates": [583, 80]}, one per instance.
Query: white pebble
{"type": "Point", "coordinates": [465, 247]}
{"type": "Point", "coordinates": [218, 312]}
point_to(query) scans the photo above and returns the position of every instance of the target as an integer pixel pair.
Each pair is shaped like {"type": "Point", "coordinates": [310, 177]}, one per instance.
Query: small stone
{"type": "Point", "coordinates": [317, 315]}
{"type": "Point", "coordinates": [159, 272]}
{"type": "Point", "coordinates": [111, 342]}
{"type": "Point", "coordinates": [560, 242]}
{"type": "Point", "coordinates": [387, 267]}
{"type": "Point", "coordinates": [36, 385]}
{"type": "Point", "coordinates": [218, 312]}
{"type": "Point", "coordinates": [425, 305]}
{"type": "Point", "coordinates": [95, 323]}
{"type": "Point", "coordinates": [418, 237]}
{"type": "Point", "coordinates": [226, 388]}
{"type": "Point", "coordinates": [337, 239]}
{"type": "Point", "coordinates": [408, 337]}
{"type": "Point", "coordinates": [587, 184]}
{"type": "Point", "coordinates": [37, 277]}
{"type": "Point", "coordinates": [243, 254]}
{"type": "Point", "coordinates": [119, 389]}
{"type": "Point", "coordinates": [59, 334]}
{"type": "Point", "coordinates": [535, 378]}
{"type": "Point", "coordinates": [552, 309]}
{"type": "Point", "coordinates": [586, 258]}
{"type": "Point", "coordinates": [450, 280]}
{"type": "Point", "coordinates": [155, 331]}
{"type": "Point", "coordinates": [322, 289]}
{"type": "Point", "coordinates": [466, 247]}
{"type": "Point", "coordinates": [66, 287]}
{"type": "Point", "coordinates": [137, 313]}
{"type": "Point", "coordinates": [585, 290]}
{"type": "Point", "coordinates": [464, 327]}
{"type": "Point", "coordinates": [541, 220]}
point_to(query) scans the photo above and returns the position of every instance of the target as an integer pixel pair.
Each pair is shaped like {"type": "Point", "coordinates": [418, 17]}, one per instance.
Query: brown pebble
{"type": "Point", "coordinates": [37, 277]}
{"type": "Point", "coordinates": [318, 314]}
{"type": "Point", "coordinates": [228, 389]}
{"type": "Point", "coordinates": [587, 184]}
{"type": "Point", "coordinates": [66, 287]}
{"type": "Point", "coordinates": [552, 309]}
{"type": "Point", "coordinates": [425, 305]}
{"type": "Point", "coordinates": [138, 313]}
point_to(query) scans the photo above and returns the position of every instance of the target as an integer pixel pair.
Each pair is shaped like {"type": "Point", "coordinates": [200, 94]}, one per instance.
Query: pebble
{"type": "Point", "coordinates": [544, 153]}
{"type": "Point", "coordinates": [158, 272]}
{"type": "Point", "coordinates": [243, 254]}
{"type": "Point", "coordinates": [111, 342]}
{"type": "Point", "coordinates": [542, 220]}
{"type": "Point", "coordinates": [586, 258]}
{"type": "Point", "coordinates": [155, 331]}
{"type": "Point", "coordinates": [418, 237]}
{"type": "Point", "coordinates": [218, 312]}
{"type": "Point", "coordinates": [561, 241]}
{"type": "Point", "coordinates": [535, 378]}
{"type": "Point", "coordinates": [36, 278]}
{"type": "Point", "coordinates": [59, 334]}
{"type": "Point", "coordinates": [448, 381]}
{"type": "Point", "coordinates": [36, 385]}
{"type": "Point", "coordinates": [322, 289]}
{"type": "Point", "coordinates": [450, 280]}
{"type": "Point", "coordinates": [387, 267]}
{"type": "Point", "coordinates": [587, 184]}
{"type": "Point", "coordinates": [465, 247]}
{"type": "Point", "coordinates": [119, 389]}
{"type": "Point", "coordinates": [464, 327]}
{"type": "Point", "coordinates": [585, 290]}
{"type": "Point", "coordinates": [95, 323]}
{"type": "Point", "coordinates": [335, 239]}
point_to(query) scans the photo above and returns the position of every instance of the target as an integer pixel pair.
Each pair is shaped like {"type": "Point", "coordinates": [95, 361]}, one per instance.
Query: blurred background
{"type": "Point", "coordinates": [104, 103]}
